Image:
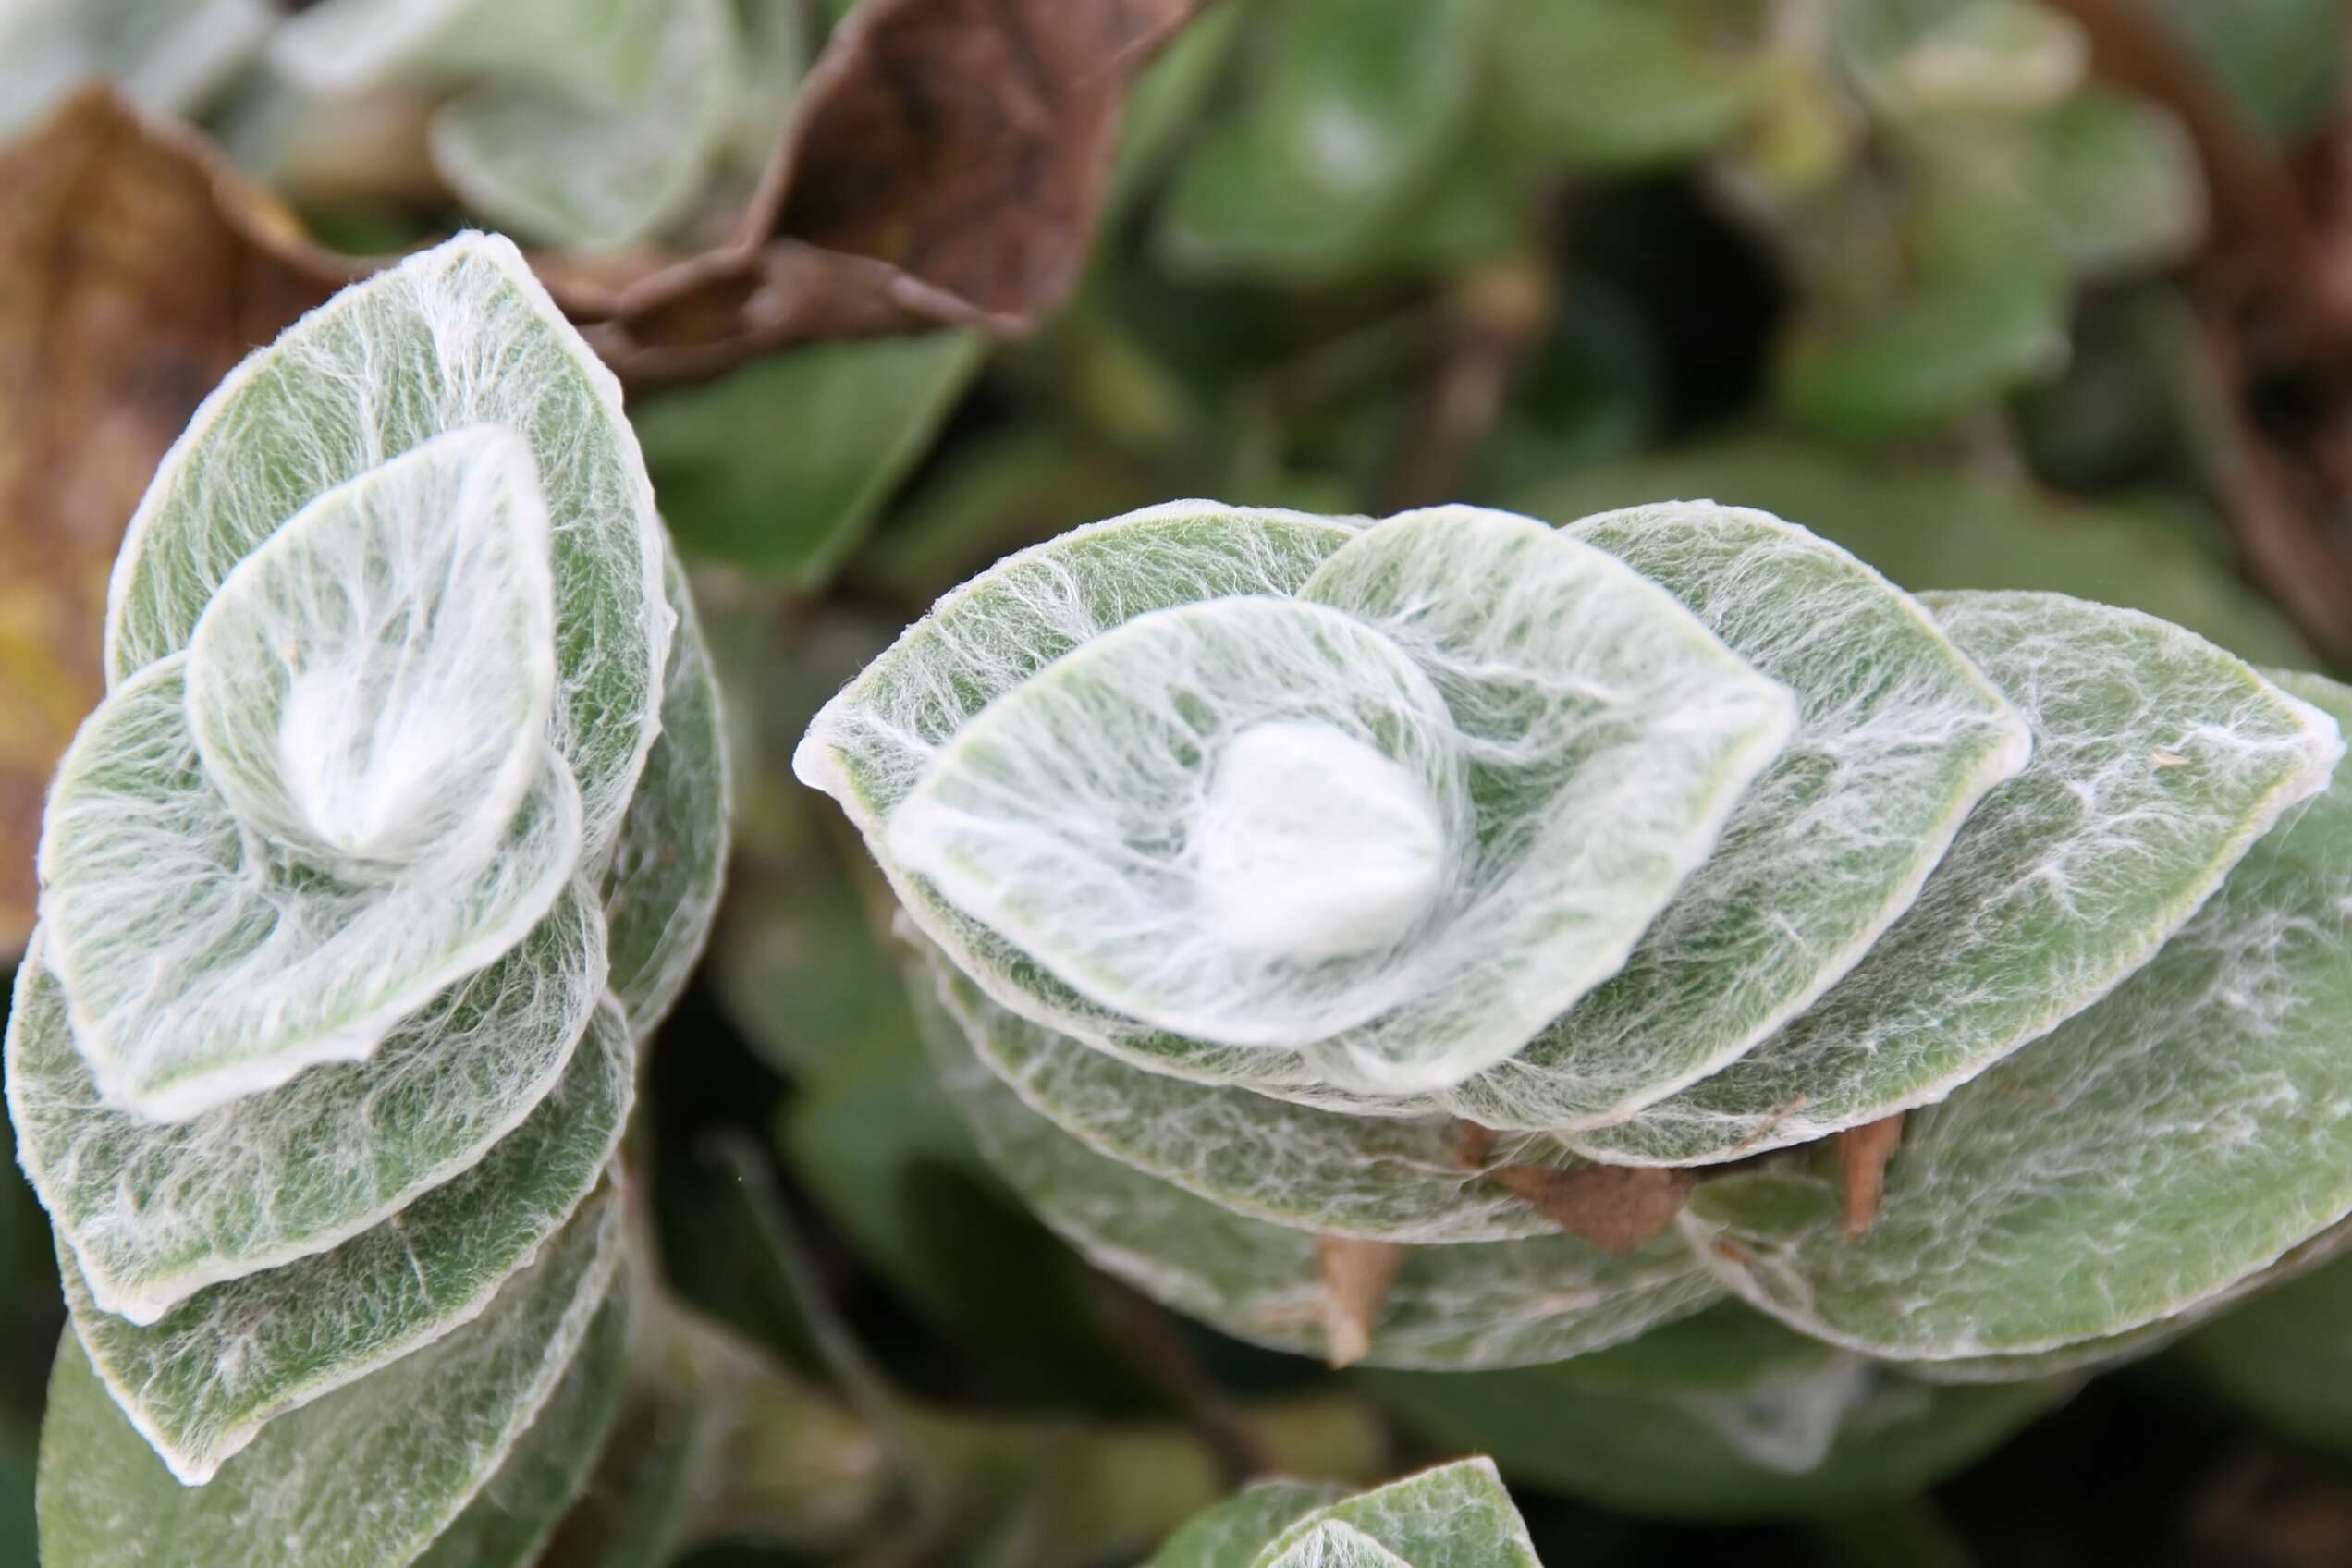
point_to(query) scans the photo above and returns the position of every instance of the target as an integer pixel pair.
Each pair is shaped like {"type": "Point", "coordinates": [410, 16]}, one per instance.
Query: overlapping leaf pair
{"type": "Point", "coordinates": [398, 827]}
{"type": "Point", "coordinates": [1311, 900]}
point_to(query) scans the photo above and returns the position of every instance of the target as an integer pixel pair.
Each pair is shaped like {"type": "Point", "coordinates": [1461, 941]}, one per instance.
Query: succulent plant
{"type": "Point", "coordinates": [1459, 943]}
{"type": "Point", "coordinates": [400, 827]}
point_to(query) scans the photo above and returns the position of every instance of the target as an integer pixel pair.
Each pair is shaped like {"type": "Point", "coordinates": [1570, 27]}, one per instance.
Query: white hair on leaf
{"type": "Point", "coordinates": [2064, 881]}
{"type": "Point", "coordinates": [156, 1211]}
{"type": "Point", "coordinates": [370, 688]}
{"type": "Point", "coordinates": [871, 743]}
{"type": "Point", "coordinates": [1379, 1178]}
{"type": "Point", "coordinates": [669, 861]}
{"type": "Point", "coordinates": [200, 965]}
{"type": "Point", "coordinates": [1608, 734]}
{"type": "Point", "coordinates": [458, 336]}
{"type": "Point", "coordinates": [1462, 1307]}
{"type": "Point", "coordinates": [203, 1380]}
{"type": "Point", "coordinates": [1088, 816]}
{"type": "Point", "coordinates": [2140, 1162]}
{"type": "Point", "coordinates": [1334, 1543]}
{"type": "Point", "coordinates": [467, 1400]}
{"type": "Point", "coordinates": [1900, 738]}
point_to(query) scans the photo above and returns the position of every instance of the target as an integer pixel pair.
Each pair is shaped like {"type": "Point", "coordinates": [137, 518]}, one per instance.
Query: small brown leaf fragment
{"type": "Point", "coordinates": [1863, 1153]}
{"type": "Point", "coordinates": [944, 165]}
{"type": "Point", "coordinates": [138, 270]}
{"type": "Point", "coordinates": [1476, 1146]}
{"type": "Point", "coordinates": [1614, 1207]}
{"type": "Point", "coordinates": [1357, 1275]}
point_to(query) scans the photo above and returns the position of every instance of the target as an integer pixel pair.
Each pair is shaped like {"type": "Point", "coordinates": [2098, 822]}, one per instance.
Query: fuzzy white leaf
{"type": "Point", "coordinates": [1494, 1303]}
{"type": "Point", "coordinates": [2158, 761]}
{"type": "Point", "coordinates": [1237, 820]}
{"type": "Point", "coordinates": [1230, 1535]}
{"type": "Point", "coordinates": [1382, 1178]}
{"type": "Point", "coordinates": [1455, 1515]}
{"type": "Point", "coordinates": [367, 1477]}
{"type": "Point", "coordinates": [1899, 738]}
{"type": "Point", "coordinates": [1608, 736]}
{"type": "Point", "coordinates": [204, 1380]}
{"type": "Point", "coordinates": [155, 1212]}
{"type": "Point", "coordinates": [458, 336]}
{"type": "Point", "coordinates": [872, 742]}
{"type": "Point", "coordinates": [661, 890]}
{"type": "Point", "coordinates": [369, 688]}
{"type": "Point", "coordinates": [200, 965]}
{"type": "Point", "coordinates": [508, 1522]}
{"type": "Point", "coordinates": [2148, 1155]}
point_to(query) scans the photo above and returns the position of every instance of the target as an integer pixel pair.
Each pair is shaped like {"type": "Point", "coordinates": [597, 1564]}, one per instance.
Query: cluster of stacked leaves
{"type": "Point", "coordinates": [400, 827]}
{"type": "Point", "coordinates": [1356, 255]}
{"type": "Point", "coordinates": [1405, 942]}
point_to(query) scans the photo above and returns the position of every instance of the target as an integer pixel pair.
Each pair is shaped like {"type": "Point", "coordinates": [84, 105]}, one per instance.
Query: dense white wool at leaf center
{"type": "Point", "coordinates": [1311, 844]}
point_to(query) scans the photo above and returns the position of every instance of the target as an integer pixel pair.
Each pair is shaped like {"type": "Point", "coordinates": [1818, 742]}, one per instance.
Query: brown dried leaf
{"type": "Point", "coordinates": [944, 165]}
{"type": "Point", "coordinates": [138, 270]}
{"type": "Point", "coordinates": [1357, 1275]}
{"type": "Point", "coordinates": [1863, 1153]}
{"type": "Point", "coordinates": [1614, 1207]}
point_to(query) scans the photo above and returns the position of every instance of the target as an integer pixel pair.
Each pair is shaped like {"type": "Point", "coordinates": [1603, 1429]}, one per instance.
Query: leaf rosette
{"type": "Point", "coordinates": [1459, 943]}
{"type": "Point", "coordinates": [395, 835]}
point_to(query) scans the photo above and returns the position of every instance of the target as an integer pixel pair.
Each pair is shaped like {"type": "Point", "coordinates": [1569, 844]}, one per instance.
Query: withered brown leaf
{"type": "Point", "coordinates": [1863, 1153]}
{"type": "Point", "coordinates": [944, 165]}
{"type": "Point", "coordinates": [1357, 1275]}
{"type": "Point", "coordinates": [1615, 1207]}
{"type": "Point", "coordinates": [140, 269]}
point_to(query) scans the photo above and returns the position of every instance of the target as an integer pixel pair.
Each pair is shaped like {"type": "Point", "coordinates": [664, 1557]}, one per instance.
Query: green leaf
{"type": "Point", "coordinates": [1397, 1179]}
{"type": "Point", "coordinates": [1611, 85]}
{"type": "Point", "coordinates": [1717, 1417]}
{"type": "Point", "coordinates": [2146, 1156]}
{"type": "Point", "coordinates": [2287, 1356]}
{"type": "Point", "coordinates": [157, 1211]}
{"type": "Point", "coordinates": [2158, 761]}
{"type": "Point", "coordinates": [511, 1518]}
{"type": "Point", "coordinates": [1494, 1303]}
{"type": "Point", "coordinates": [2281, 60]}
{"type": "Point", "coordinates": [1945, 527]}
{"type": "Point", "coordinates": [1979, 59]}
{"type": "Point", "coordinates": [661, 891]}
{"type": "Point", "coordinates": [366, 1478]}
{"type": "Point", "coordinates": [461, 335]}
{"type": "Point", "coordinates": [1350, 104]}
{"type": "Point", "coordinates": [1985, 311]}
{"type": "Point", "coordinates": [202, 1382]}
{"type": "Point", "coordinates": [781, 467]}
{"type": "Point", "coordinates": [199, 965]}
{"type": "Point", "coordinates": [1232, 1534]}
{"type": "Point", "coordinates": [1453, 1516]}
{"type": "Point", "coordinates": [1899, 738]}
{"type": "Point", "coordinates": [2115, 179]}
{"type": "Point", "coordinates": [601, 170]}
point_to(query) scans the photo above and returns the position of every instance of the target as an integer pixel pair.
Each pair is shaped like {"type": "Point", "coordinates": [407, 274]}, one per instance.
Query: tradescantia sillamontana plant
{"type": "Point", "coordinates": [1460, 944]}
{"type": "Point", "coordinates": [397, 829]}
